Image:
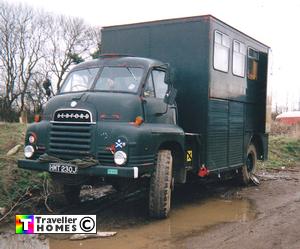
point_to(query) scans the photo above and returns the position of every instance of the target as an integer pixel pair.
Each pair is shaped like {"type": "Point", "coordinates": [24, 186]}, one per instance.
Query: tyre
{"type": "Point", "coordinates": [161, 186]}
{"type": "Point", "coordinates": [250, 165]}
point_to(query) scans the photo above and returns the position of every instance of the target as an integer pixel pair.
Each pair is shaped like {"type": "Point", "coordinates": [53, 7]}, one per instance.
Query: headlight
{"type": "Point", "coordinates": [120, 157]}
{"type": "Point", "coordinates": [28, 151]}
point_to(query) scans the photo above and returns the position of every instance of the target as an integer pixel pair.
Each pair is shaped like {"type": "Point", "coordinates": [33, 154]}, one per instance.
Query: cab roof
{"type": "Point", "coordinates": [115, 60]}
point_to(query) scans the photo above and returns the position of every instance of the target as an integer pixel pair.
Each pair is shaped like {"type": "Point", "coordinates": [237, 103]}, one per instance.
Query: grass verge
{"type": "Point", "coordinates": [284, 151]}
{"type": "Point", "coordinates": [17, 186]}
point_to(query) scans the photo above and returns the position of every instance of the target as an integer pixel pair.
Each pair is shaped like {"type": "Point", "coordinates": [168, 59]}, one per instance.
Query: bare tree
{"type": "Point", "coordinates": [96, 36]}
{"type": "Point", "coordinates": [35, 46]}
{"type": "Point", "coordinates": [36, 96]}
{"type": "Point", "coordinates": [22, 37]}
{"type": "Point", "coordinates": [32, 39]}
{"type": "Point", "coordinates": [8, 63]}
{"type": "Point", "coordinates": [70, 43]}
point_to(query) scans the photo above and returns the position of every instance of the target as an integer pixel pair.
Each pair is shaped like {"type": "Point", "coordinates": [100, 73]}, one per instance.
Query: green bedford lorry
{"type": "Point", "coordinates": [166, 100]}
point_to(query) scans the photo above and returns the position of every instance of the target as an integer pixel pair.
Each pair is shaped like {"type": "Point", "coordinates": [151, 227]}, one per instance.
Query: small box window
{"type": "Point", "coordinates": [218, 38]}
{"type": "Point", "coordinates": [253, 60]}
{"type": "Point", "coordinates": [253, 54]}
{"type": "Point", "coordinates": [238, 59]}
{"type": "Point", "coordinates": [221, 51]}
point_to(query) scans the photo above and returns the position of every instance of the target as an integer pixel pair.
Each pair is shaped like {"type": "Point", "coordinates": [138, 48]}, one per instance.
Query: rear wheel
{"type": "Point", "coordinates": [161, 186]}
{"type": "Point", "coordinates": [250, 165]}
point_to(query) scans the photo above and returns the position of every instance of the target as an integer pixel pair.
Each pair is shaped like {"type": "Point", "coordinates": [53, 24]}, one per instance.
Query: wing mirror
{"type": "Point", "coordinates": [170, 95]}
{"type": "Point", "coordinates": [169, 75]}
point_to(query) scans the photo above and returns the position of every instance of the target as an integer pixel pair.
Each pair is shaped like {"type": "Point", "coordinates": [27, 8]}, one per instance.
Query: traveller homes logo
{"type": "Point", "coordinates": [24, 224]}
{"type": "Point", "coordinates": [28, 224]}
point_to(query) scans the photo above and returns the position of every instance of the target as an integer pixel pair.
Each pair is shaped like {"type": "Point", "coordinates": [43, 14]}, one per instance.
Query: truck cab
{"type": "Point", "coordinates": [113, 116]}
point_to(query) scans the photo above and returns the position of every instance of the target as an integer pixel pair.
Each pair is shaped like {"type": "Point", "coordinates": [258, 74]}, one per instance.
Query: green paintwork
{"type": "Point", "coordinates": [69, 141]}
{"type": "Point", "coordinates": [98, 170]}
{"type": "Point", "coordinates": [218, 113]}
{"type": "Point", "coordinates": [225, 110]}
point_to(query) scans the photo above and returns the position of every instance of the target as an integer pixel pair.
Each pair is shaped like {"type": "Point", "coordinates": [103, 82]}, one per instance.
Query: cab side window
{"type": "Point", "coordinates": [155, 85]}
{"type": "Point", "coordinates": [149, 87]}
{"type": "Point", "coordinates": [160, 86]}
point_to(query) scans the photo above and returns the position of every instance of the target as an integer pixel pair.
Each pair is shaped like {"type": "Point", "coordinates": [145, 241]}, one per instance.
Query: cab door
{"type": "Point", "coordinates": [156, 110]}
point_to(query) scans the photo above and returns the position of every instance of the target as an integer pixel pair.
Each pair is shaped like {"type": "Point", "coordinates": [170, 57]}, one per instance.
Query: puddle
{"type": "Point", "coordinates": [193, 212]}
{"type": "Point", "coordinates": [186, 220]}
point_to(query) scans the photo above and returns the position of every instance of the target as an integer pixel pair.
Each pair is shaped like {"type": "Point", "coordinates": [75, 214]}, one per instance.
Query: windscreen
{"type": "Point", "coordinates": [80, 80]}
{"type": "Point", "coordinates": [119, 79]}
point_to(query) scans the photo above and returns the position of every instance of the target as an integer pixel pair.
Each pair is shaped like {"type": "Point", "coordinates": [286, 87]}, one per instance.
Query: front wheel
{"type": "Point", "coordinates": [250, 165]}
{"type": "Point", "coordinates": [161, 186]}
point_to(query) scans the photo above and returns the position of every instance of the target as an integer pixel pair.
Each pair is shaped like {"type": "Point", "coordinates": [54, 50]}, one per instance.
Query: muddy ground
{"type": "Point", "coordinates": [277, 224]}
{"type": "Point", "coordinates": [216, 214]}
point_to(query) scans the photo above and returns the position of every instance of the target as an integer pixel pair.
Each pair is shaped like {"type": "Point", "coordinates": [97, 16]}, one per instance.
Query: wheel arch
{"type": "Point", "coordinates": [257, 141]}
{"type": "Point", "coordinates": [176, 149]}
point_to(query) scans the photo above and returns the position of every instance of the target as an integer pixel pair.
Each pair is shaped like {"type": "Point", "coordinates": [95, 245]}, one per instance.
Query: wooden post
{"type": "Point", "coordinates": [23, 117]}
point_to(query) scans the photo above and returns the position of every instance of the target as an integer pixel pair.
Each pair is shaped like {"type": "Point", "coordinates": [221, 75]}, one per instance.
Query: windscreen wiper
{"type": "Point", "coordinates": [131, 74]}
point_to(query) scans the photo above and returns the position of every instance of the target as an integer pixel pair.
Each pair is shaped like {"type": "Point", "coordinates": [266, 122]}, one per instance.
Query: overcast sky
{"type": "Point", "coordinates": [275, 23]}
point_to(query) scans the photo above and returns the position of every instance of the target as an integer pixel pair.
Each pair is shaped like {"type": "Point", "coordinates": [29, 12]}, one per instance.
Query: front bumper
{"type": "Point", "coordinates": [97, 170]}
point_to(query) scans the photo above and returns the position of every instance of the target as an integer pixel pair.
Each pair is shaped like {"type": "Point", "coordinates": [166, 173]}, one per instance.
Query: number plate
{"type": "Point", "coordinates": [63, 168]}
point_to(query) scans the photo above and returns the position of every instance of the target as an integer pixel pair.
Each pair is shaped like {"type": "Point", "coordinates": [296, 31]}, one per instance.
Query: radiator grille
{"type": "Point", "coordinates": [69, 140]}
{"type": "Point", "coordinates": [106, 157]}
